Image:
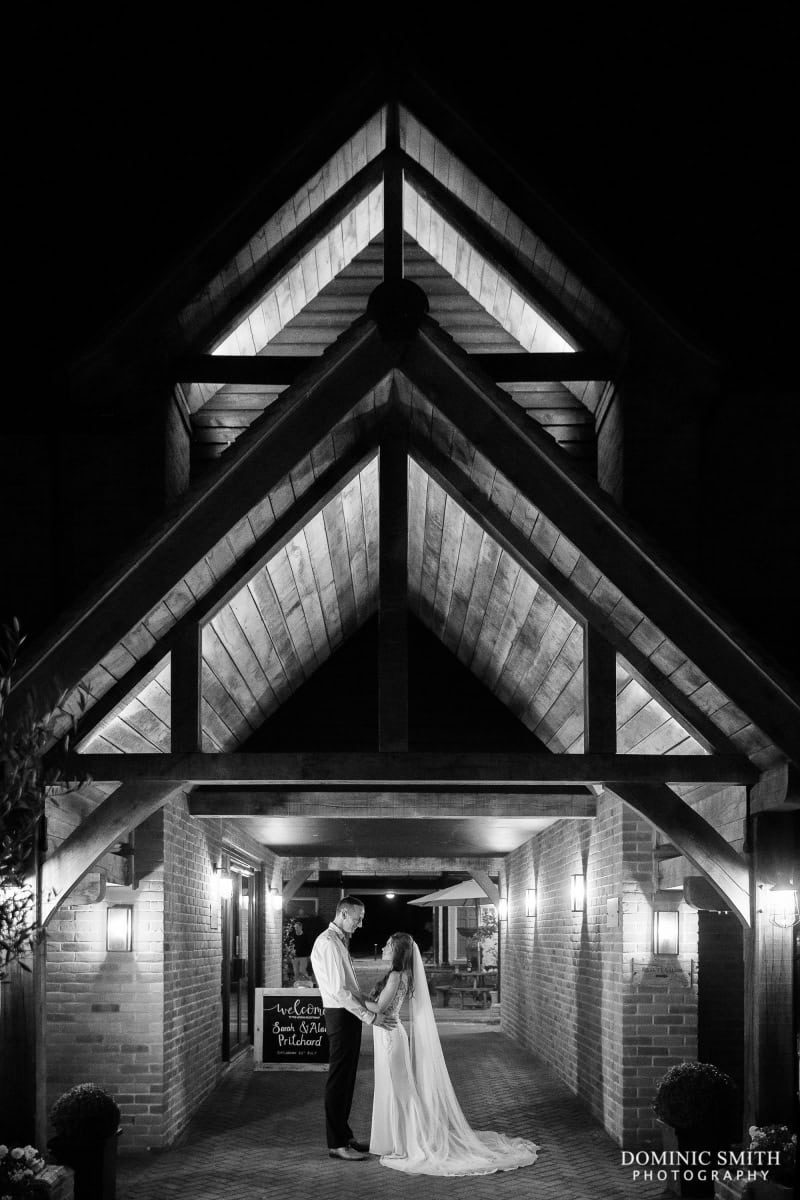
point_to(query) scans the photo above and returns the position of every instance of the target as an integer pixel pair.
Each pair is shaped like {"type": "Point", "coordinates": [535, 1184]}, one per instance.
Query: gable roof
{"type": "Point", "coordinates": [512, 553]}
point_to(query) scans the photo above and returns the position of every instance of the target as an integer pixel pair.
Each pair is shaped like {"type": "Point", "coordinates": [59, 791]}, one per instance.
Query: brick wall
{"type": "Point", "coordinates": [569, 991]}
{"type": "Point", "coordinates": [146, 1025]}
{"type": "Point", "coordinates": [104, 1010]}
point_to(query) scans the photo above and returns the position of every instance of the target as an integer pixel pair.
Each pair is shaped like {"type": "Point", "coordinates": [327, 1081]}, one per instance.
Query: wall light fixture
{"type": "Point", "coordinates": [577, 893]}
{"type": "Point", "coordinates": [119, 928]}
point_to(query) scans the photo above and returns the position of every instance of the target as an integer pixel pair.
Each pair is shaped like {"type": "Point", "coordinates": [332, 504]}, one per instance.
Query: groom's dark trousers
{"type": "Point", "coordinates": [344, 1043]}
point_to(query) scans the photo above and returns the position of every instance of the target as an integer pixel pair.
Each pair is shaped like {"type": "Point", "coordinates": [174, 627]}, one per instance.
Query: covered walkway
{"type": "Point", "coordinates": [262, 1135]}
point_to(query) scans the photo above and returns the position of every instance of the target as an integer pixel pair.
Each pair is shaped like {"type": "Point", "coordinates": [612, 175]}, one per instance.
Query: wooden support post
{"type": "Point", "coordinates": [186, 688]}
{"type": "Point", "coordinates": [393, 592]}
{"type": "Point", "coordinates": [393, 200]}
{"type": "Point", "coordinates": [770, 1052]}
{"type": "Point", "coordinates": [599, 694]}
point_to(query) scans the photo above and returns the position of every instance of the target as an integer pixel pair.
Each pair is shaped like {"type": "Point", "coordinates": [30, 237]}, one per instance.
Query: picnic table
{"type": "Point", "coordinates": [473, 987]}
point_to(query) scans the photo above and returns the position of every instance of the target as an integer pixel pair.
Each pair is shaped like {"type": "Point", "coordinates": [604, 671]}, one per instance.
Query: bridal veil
{"type": "Point", "coordinates": [443, 1142]}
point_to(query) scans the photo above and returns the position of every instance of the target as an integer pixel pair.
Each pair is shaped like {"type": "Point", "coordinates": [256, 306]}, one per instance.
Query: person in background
{"type": "Point", "coordinates": [302, 949]}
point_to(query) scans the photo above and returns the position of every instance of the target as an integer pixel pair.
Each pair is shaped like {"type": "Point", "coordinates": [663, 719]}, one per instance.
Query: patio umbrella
{"type": "Point", "coordinates": [457, 894]}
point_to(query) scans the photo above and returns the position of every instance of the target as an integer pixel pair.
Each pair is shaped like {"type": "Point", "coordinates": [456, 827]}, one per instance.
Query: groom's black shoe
{"type": "Point", "coordinates": [348, 1154]}
{"type": "Point", "coordinates": [356, 1145]}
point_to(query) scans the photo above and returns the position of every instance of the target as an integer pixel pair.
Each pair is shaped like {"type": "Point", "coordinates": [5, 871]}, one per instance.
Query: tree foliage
{"type": "Point", "coordinates": [25, 781]}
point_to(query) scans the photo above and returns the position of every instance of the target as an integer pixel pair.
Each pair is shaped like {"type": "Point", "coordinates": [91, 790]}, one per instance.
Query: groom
{"type": "Point", "coordinates": [345, 1013]}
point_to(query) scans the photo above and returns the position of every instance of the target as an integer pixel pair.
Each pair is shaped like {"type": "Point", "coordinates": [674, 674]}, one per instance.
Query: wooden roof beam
{"type": "Point", "coordinates": [461, 488]}
{"type": "Point", "coordinates": [498, 255]}
{"type": "Point", "coordinates": [346, 372]}
{"type": "Point", "coordinates": [311, 231]}
{"type": "Point", "coordinates": [231, 802]}
{"type": "Point", "coordinates": [583, 513]}
{"type": "Point", "coordinates": [110, 822]}
{"type": "Point", "coordinates": [276, 369]}
{"type": "Point", "coordinates": [288, 525]}
{"type": "Point", "coordinates": [390, 770]}
{"type": "Point", "coordinates": [695, 838]}
{"type": "Point", "coordinates": [393, 585]}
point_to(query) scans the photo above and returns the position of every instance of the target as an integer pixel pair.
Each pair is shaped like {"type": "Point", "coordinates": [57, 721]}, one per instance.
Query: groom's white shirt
{"type": "Point", "coordinates": [334, 973]}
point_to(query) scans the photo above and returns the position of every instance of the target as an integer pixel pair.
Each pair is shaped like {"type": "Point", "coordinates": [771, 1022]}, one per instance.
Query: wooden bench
{"type": "Point", "coordinates": [479, 997]}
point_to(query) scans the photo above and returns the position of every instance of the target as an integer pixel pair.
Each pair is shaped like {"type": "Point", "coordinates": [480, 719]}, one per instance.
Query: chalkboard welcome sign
{"type": "Point", "coordinates": [290, 1029]}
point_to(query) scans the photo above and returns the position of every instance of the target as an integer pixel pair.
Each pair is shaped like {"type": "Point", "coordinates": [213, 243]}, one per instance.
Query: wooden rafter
{"type": "Point", "coordinates": [491, 248]}
{"type": "Point", "coordinates": [393, 199]}
{"type": "Point", "coordinates": [276, 369]}
{"type": "Point", "coordinates": [354, 365]}
{"type": "Point", "coordinates": [118, 814]}
{"type": "Point", "coordinates": [599, 692]}
{"type": "Point", "coordinates": [695, 838]}
{"type": "Point", "coordinates": [311, 231]}
{"type": "Point", "coordinates": [312, 502]}
{"type": "Point", "coordinates": [393, 586]}
{"type": "Point", "coordinates": [489, 419]}
{"type": "Point", "coordinates": [461, 488]}
{"type": "Point", "coordinates": [388, 769]}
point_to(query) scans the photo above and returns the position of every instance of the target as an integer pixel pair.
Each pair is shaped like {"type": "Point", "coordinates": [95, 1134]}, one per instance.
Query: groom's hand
{"type": "Point", "coordinates": [385, 1022]}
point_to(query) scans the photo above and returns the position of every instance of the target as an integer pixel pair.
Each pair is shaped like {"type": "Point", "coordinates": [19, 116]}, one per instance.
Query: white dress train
{"type": "Point", "coordinates": [417, 1122]}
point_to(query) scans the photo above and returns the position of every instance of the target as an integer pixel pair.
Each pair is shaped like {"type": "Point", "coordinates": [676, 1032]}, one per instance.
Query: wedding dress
{"type": "Point", "coordinates": [417, 1122]}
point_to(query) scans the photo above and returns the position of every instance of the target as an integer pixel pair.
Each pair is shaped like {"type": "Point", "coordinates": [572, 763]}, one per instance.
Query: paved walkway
{"type": "Point", "coordinates": [261, 1135]}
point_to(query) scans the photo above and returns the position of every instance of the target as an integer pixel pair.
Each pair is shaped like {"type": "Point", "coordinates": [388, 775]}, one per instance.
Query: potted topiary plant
{"type": "Point", "coordinates": [781, 1144]}
{"type": "Point", "coordinates": [700, 1103]}
{"type": "Point", "coordinates": [86, 1121]}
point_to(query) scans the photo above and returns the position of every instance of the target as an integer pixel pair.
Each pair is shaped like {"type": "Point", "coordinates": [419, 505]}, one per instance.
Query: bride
{"type": "Point", "coordinates": [417, 1122]}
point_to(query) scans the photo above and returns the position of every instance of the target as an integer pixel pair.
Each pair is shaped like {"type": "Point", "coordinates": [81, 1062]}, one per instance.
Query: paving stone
{"type": "Point", "coordinates": [262, 1135]}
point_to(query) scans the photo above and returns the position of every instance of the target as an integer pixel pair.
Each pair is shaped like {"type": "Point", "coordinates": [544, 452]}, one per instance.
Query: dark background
{"type": "Point", "coordinates": [667, 136]}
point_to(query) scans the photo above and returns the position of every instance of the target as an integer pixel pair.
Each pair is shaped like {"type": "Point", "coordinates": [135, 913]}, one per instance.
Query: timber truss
{"type": "Point", "coordinates": [438, 411]}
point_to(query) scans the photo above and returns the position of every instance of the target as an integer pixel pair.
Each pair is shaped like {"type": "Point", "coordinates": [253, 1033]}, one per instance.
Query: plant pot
{"type": "Point", "coordinates": [769, 1189]}
{"type": "Point", "coordinates": [94, 1164]}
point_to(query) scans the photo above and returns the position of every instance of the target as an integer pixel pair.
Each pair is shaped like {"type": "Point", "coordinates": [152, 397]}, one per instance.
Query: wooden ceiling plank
{"type": "Point", "coordinates": [417, 503]}
{"type": "Point", "coordinates": [220, 674]}
{"type": "Point", "coordinates": [302, 417]}
{"type": "Point", "coordinates": [495, 600]}
{"type": "Point", "coordinates": [518, 665]}
{"type": "Point", "coordinates": [288, 256]}
{"type": "Point", "coordinates": [587, 517]}
{"type": "Point", "coordinates": [431, 552]}
{"type": "Point", "coordinates": [593, 607]}
{"type": "Point", "coordinates": [564, 725]}
{"type": "Point", "coordinates": [306, 584]}
{"type": "Point", "coordinates": [387, 768]}
{"type": "Point", "coordinates": [556, 679]}
{"type": "Point", "coordinates": [466, 567]}
{"type": "Point", "coordinates": [515, 618]}
{"type": "Point", "coordinates": [247, 611]}
{"type": "Point", "coordinates": [223, 590]}
{"type": "Point", "coordinates": [357, 547]}
{"type": "Point", "coordinates": [492, 250]}
{"type": "Point", "coordinates": [283, 582]}
{"type": "Point", "coordinates": [320, 560]}
{"type": "Point", "coordinates": [336, 535]}
{"type": "Point", "coordinates": [558, 629]}
{"type": "Point", "coordinates": [234, 638]}
{"type": "Point", "coordinates": [452, 534]}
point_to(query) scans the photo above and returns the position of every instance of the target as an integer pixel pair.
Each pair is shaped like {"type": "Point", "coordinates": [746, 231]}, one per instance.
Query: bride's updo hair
{"type": "Point", "coordinates": [402, 960]}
